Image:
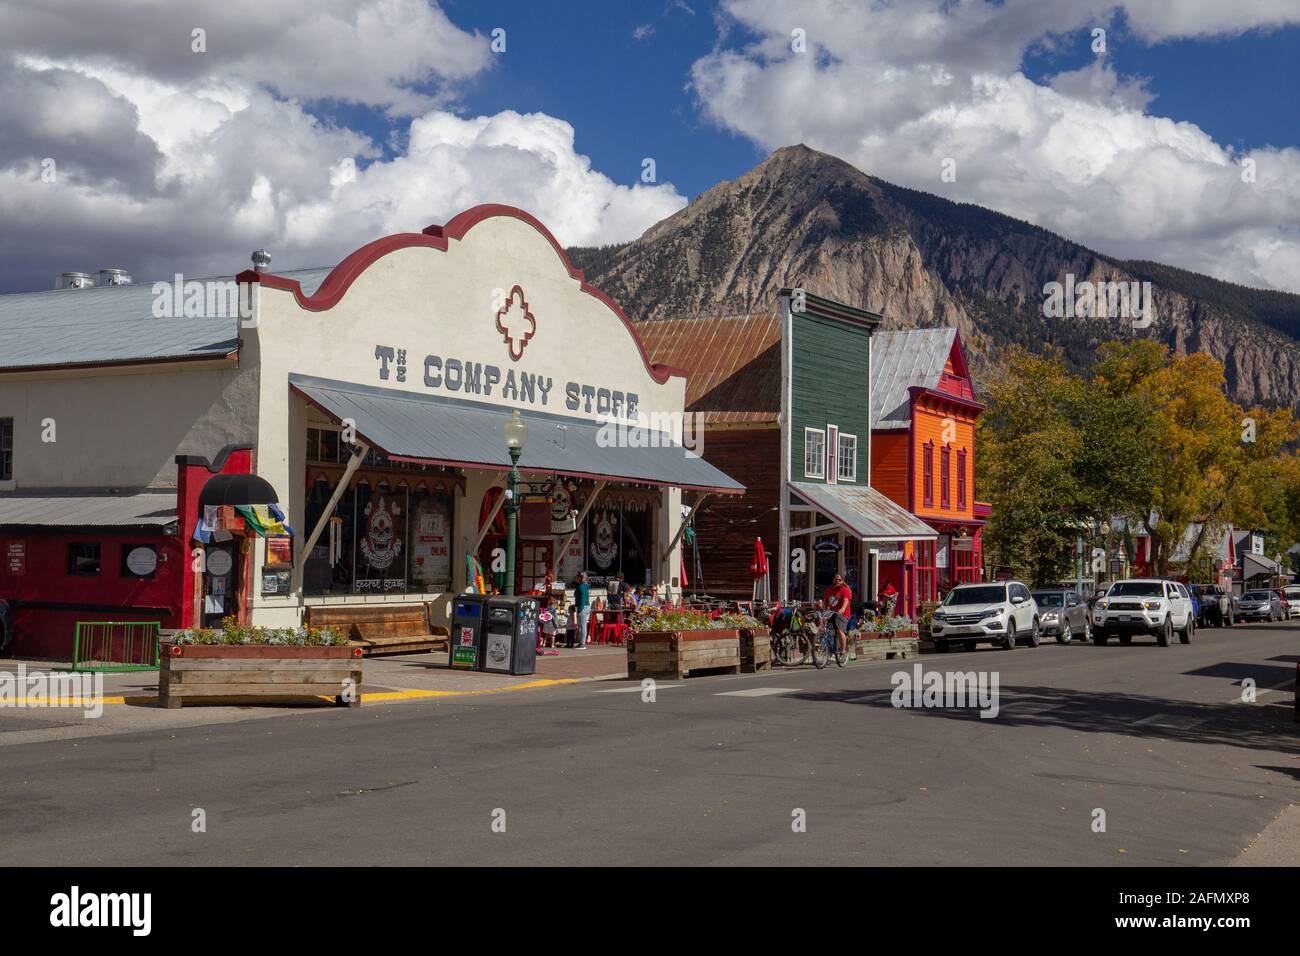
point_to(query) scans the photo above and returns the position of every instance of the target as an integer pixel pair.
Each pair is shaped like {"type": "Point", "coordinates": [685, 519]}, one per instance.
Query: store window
{"type": "Point", "coordinates": [814, 453]}
{"type": "Point", "coordinates": [945, 474]}
{"type": "Point", "coordinates": [618, 542]}
{"type": "Point", "coordinates": [6, 449]}
{"type": "Point", "coordinates": [848, 458]}
{"type": "Point", "coordinates": [927, 474]}
{"type": "Point", "coordinates": [83, 558]}
{"type": "Point", "coordinates": [961, 480]}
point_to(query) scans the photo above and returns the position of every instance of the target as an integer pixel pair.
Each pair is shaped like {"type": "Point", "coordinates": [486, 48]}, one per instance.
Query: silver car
{"type": "Point", "coordinates": [1062, 614]}
{"type": "Point", "coordinates": [1260, 605]}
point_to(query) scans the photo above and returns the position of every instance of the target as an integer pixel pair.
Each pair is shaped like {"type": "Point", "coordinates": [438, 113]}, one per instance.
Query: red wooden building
{"type": "Point", "coordinates": [923, 415]}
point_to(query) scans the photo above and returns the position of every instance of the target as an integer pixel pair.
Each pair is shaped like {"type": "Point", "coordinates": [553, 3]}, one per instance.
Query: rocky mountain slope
{"type": "Point", "coordinates": [804, 218]}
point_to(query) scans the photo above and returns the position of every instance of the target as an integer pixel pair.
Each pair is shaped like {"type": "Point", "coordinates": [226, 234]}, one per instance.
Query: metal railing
{"type": "Point", "coordinates": [116, 646]}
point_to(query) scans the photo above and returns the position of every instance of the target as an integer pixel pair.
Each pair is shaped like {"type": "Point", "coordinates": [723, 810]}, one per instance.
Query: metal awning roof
{"type": "Point", "coordinates": [864, 512]}
{"type": "Point", "coordinates": [1253, 565]}
{"type": "Point", "coordinates": [426, 428]}
{"type": "Point", "coordinates": [151, 510]}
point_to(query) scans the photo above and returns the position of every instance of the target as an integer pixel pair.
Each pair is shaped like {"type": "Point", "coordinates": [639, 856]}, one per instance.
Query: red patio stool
{"type": "Point", "coordinates": [614, 633]}
{"type": "Point", "coordinates": [594, 629]}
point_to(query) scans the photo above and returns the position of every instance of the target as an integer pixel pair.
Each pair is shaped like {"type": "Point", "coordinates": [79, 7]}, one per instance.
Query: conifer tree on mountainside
{"type": "Point", "coordinates": [806, 218]}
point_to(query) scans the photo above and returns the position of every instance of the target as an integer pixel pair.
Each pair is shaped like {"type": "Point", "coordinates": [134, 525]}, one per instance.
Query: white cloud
{"type": "Point", "coordinates": [164, 168]}
{"type": "Point", "coordinates": [896, 89]}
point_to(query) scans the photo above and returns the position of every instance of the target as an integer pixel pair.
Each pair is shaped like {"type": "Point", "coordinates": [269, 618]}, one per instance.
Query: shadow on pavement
{"type": "Point", "coordinates": [1261, 726]}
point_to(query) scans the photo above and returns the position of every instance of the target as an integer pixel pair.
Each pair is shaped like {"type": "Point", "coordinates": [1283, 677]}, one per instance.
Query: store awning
{"type": "Point", "coordinates": [439, 431]}
{"type": "Point", "coordinates": [864, 512]}
{"type": "Point", "coordinates": [1253, 565]}
{"type": "Point", "coordinates": [147, 510]}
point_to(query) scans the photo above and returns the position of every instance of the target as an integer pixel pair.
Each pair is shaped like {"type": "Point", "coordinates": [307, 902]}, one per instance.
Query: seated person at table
{"type": "Point", "coordinates": [631, 600]}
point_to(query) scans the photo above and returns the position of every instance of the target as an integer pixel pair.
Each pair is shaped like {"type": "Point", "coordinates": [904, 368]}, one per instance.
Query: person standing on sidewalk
{"type": "Point", "coordinates": [839, 599]}
{"type": "Point", "coordinates": [582, 604]}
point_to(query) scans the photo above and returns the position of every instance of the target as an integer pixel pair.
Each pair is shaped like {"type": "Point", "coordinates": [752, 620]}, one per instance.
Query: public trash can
{"type": "Point", "coordinates": [510, 644]}
{"type": "Point", "coordinates": [469, 614]}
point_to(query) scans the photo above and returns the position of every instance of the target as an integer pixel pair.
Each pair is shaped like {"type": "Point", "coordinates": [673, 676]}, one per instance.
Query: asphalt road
{"type": "Point", "coordinates": [712, 772]}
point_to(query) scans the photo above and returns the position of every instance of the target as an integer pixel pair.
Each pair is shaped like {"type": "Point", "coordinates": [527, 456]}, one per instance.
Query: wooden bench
{"type": "Point", "coordinates": [383, 628]}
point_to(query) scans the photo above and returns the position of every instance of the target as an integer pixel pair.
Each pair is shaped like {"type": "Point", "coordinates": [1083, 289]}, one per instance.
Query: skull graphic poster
{"type": "Point", "coordinates": [603, 546]}
{"type": "Point", "coordinates": [381, 527]}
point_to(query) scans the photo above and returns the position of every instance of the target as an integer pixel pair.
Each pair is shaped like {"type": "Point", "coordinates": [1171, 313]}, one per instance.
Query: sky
{"type": "Point", "coordinates": [163, 137]}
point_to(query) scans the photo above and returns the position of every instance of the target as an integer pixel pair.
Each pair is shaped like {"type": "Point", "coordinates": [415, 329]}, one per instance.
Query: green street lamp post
{"type": "Point", "coordinates": [515, 433]}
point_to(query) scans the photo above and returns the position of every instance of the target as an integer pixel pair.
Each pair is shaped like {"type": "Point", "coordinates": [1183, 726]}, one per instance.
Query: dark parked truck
{"type": "Point", "coordinates": [1217, 607]}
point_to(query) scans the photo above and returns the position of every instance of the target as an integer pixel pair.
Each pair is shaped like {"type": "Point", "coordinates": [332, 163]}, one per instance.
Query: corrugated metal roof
{"type": "Point", "coordinates": [112, 324]}
{"type": "Point", "coordinates": [146, 509]}
{"type": "Point", "coordinates": [864, 512]}
{"type": "Point", "coordinates": [445, 431]}
{"type": "Point", "coordinates": [900, 360]}
{"type": "Point", "coordinates": [732, 363]}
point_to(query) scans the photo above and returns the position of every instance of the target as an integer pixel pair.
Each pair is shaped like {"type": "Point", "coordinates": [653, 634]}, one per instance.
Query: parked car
{"type": "Point", "coordinates": [1062, 614]}
{"type": "Point", "coordinates": [1260, 605]}
{"type": "Point", "coordinates": [1217, 605]}
{"type": "Point", "coordinates": [1292, 595]}
{"type": "Point", "coordinates": [1001, 613]}
{"type": "Point", "coordinates": [1144, 606]}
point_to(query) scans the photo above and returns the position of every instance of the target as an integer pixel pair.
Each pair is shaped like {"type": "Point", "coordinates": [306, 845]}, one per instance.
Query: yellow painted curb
{"type": "Point", "coordinates": [376, 697]}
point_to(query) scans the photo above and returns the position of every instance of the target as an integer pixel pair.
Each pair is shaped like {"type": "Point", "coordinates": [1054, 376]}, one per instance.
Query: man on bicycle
{"type": "Point", "coordinates": [839, 599]}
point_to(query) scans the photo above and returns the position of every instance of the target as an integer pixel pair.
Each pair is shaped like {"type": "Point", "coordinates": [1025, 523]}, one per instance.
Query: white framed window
{"type": "Point", "coordinates": [848, 458]}
{"type": "Point", "coordinates": [814, 453]}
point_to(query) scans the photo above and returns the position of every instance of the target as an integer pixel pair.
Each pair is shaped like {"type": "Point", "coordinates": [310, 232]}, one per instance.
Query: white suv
{"type": "Point", "coordinates": [1144, 606]}
{"type": "Point", "coordinates": [999, 612]}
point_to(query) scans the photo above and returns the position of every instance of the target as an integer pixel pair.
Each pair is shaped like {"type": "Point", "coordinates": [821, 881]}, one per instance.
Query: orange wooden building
{"type": "Point", "coordinates": [923, 414]}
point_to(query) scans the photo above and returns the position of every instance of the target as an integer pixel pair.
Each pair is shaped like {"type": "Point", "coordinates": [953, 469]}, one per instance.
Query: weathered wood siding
{"type": "Point", "coordinates": [726, 528]}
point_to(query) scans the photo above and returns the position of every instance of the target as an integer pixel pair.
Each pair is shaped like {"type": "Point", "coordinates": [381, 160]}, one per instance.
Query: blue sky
{"type": "Point", "coordinates": [628, 98]}
{"type": "Point", "coordinates": [314, 127]}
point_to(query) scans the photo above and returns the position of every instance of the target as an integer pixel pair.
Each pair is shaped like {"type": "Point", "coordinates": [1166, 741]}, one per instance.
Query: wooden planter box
{"type": "Point", "coordinates": [196, 671]}
{"type": "Point", "coordinates": [755, 650]}
{"type": "Point", "coordinates": [679, 653]}
{"type": "Point", "coordinates": [887, 645]}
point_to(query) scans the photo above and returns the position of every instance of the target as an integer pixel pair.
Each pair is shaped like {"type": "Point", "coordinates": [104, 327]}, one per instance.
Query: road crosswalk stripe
{"type": "Point", "coordinates": [758, 692]}
{"type": "Point", "coordinates": [636, 688]}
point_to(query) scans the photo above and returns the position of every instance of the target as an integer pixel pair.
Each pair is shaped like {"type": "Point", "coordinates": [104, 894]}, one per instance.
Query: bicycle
{"type": "Point", "coordinates": [824, 641]}
{"type": "Point", "coordinates": [789, 643]}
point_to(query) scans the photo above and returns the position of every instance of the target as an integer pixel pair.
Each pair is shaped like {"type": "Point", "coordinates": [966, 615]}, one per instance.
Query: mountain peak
{"type": "Point", "coordinates": [806, 218]}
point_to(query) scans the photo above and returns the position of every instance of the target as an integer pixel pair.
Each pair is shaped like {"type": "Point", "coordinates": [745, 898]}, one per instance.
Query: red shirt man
{"type": "Point", "coordinates": [839, 598]}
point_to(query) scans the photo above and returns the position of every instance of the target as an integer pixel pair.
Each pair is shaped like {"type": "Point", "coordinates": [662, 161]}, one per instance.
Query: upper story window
{"type": "Point", "coordinates": [6, 449]}
{"type": "Point", "coordinates": [945, 476]}
{"type": "Point", "coordinates": [848, 458]}
{"type": "Point", "coordinates": [83, 557]}
{"type": "Point", "coordinates": [961, 480]}
{"type": "Point", "coordinates": [927, 474]}
{"type": "Point", "coordinates": [814, 453]}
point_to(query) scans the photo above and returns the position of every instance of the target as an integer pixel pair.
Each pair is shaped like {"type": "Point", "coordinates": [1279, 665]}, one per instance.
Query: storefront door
{"type": "Point", "coordinates": [221, 582]}
{"type": "Point", "coordinates": [534, 561]}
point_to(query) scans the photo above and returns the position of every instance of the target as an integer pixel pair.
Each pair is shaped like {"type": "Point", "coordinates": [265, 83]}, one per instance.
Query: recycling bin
{"type": "Point", "coordinates": [510, 641]}
{"type": "Point", "coordinates": [469, 614]}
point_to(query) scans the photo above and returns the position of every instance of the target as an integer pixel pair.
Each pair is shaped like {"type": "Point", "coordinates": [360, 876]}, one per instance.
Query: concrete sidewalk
{"type": "Point", "coordinates": [130, 699]}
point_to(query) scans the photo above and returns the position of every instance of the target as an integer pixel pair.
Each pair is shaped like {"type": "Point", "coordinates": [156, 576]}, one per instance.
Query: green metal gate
{"type": "Point", "coordinates": [116, 646]}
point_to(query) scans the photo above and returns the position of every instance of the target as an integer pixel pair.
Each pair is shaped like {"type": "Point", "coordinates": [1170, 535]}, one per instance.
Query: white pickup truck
{"type": "Point", "coordinates": [1144, 606]}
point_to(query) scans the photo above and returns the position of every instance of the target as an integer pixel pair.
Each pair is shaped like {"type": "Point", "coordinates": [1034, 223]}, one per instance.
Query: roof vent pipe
{"type": "Point", "coordinates": [114, 277]}
{"type": "Point", "coordinates": [74, 280]}
{"type": "Point", "coordinates": [261, 259]}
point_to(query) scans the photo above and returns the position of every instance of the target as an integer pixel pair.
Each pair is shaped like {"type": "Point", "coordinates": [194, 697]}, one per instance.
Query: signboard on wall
{"type": "Point", "coordinates": [16, 558]}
